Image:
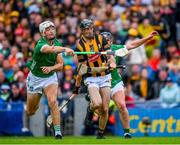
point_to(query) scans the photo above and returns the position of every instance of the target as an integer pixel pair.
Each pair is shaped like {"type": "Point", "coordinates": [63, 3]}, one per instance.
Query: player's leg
{"type": "Point", "coordinates": [34, 92]}
{"type": "Point", "coordinates": [118, 96]}
{"type": "Point", "coordinates": [104, 113]}
{"type": "Point", "coordinates": [51, 92]}
{"type": "Point", "coordinates": [32, 103]}
{"type": "Point", "coordinates": [95, 103]}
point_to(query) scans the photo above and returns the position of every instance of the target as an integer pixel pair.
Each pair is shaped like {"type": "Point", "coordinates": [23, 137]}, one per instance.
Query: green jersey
{"type": "Point", "coordinates": [116, 77]}
{"type": "Point", "coordinates": [40, 59]}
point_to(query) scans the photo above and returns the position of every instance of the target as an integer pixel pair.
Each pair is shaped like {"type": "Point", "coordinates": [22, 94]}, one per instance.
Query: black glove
{"type": "Point", "coordinates": [76, 90]}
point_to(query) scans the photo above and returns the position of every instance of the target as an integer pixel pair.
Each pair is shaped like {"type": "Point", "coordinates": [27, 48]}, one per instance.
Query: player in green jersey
{"type": "Point", "coordinates": [42, 77]}
{"type": "Point", "coordinates": [117, 90]}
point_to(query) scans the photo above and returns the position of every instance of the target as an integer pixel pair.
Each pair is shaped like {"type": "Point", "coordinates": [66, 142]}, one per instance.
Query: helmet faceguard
{"type": "Point", "coordinates": [107, 35]}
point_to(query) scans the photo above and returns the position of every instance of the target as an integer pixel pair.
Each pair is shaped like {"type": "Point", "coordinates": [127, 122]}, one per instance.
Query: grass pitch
{"type": "Point", "coordinates": [89, 140]}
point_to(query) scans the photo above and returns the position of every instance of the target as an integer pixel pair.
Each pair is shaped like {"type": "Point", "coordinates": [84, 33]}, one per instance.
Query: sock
{"type": "Point", "coordinates": [101, 131]}
{"type": "Point", "coordinates": [57, 130]}
{"type": "Point", "coordinates": [126, 130]}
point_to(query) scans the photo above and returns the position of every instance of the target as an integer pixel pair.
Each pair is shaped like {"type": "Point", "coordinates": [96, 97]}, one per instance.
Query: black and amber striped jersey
{"type": "Point", "coordinates": [97, 44]}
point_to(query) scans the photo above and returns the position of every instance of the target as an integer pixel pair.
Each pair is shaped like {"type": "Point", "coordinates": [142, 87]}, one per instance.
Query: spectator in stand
{"type": "Point", "coordinates": [155, 59]}
{"type": "Point", "coordinates": [174, 68]}
{"type": "Point", "coordinates": [16, 96]}
{"type": "Point", "coordinates": [143, 87]}
{"type": "Point", "coordinates": [5, 49]}
{"type": "Point", "coordinates": [171, 50]}
{"type": "Point", "coordinates": [124, 31]}
{"type": "Point", "coordinates": [130, 101]}
{"type": "Point", "coordinates": [3, 79]}
{"type": "Point", "coordinates": [161, 25]}
{"type": "Point", "coordinates": [1, 59]}
{"type": "Point", "coordinates": [8, 71]}
{"type": "Point", "coordinates": [67, 80]}
{"type": "Point", "coordinates": [159, 83]}
{"type": "Point", "coordinates": [12, 57]}
{"type": "Point", "coordinates": [1, 23]}
{"type": "Point", "coordinates": [19, 77]}
{"type": "Point", "coordinates": [134, 79]}
{"type": "Point", "coordinates": [170, 94]}
{"type": "Point", "coordinates": [5, 92]}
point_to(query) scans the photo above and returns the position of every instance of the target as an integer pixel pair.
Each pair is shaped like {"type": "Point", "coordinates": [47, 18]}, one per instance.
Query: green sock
{"type": "Point", "coordinates": [57, 130]}
{"type": "Point", "coordinates": [126, 130]}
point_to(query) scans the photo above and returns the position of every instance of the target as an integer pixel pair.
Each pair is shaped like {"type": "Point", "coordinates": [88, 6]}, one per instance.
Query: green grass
{"type": "Point", "coordinates": [89, 140]}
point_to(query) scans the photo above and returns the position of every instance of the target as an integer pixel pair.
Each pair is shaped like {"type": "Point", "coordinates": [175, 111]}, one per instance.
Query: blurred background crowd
{"type": "Point", "coordinates": [153, 70]}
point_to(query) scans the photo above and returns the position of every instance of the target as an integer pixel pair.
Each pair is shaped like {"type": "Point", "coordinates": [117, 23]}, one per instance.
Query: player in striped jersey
{"type": "Point", "coordinates": [99, 84]}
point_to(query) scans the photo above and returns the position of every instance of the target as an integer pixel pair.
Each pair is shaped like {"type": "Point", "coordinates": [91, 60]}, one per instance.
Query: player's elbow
{"type": "Point", "coordinates": [130, 46]}
{"type": "Point", "coordinates": [60, 67]}
{"type": "Point", "coordinates": [47, 49]}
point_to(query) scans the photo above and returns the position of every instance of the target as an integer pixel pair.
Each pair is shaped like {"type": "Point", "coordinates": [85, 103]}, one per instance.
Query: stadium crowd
{"type": "Point", "coordinates": [153, 69]}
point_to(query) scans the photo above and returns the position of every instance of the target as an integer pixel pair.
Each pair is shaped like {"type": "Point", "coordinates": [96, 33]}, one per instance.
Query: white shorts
{"type": "Point", "coordinates": [36, 84]}
{"type": "Point", "coordinates": [118, 87]}
{"type": "Point", "coordinates": [98, 82]}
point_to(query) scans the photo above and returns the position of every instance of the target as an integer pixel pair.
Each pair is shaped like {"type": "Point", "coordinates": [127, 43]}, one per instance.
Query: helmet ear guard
{"type": "Point", "coordinates": [44, 25]}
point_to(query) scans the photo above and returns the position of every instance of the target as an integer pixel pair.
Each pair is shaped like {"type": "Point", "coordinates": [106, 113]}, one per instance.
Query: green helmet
{"type": "Point", "coordinates": [86, 23]}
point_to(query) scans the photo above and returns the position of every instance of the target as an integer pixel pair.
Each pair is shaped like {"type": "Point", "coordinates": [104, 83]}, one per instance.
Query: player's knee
{"type": "Point", "coordinates": [97, 105]}
{"type": "Point", "coordinates": [106, 110]}
{"type": "Point", "coordinates": [30, 112]}
{"type": "Point", "coordinates": [52, 103]}
{"type": "Point", "coordinates": [121, 105]}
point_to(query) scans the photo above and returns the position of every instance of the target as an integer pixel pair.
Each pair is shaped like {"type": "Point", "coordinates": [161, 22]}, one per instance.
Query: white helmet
{"type": "Point", "coordinates": [44, 25]}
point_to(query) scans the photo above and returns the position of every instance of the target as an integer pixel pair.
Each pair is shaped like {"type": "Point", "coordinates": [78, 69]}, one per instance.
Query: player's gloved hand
{"type": "Point", "coordinates": [112, 65]}
{"type": "Point", "coordinates": [82, 69]}
{"type": "Point", "coordinates": [76, 90]}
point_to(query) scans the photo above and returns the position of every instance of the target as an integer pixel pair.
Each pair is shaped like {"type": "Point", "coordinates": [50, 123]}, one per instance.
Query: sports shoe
{"type": "Point", "coordinates": [89, 117]}
{"type": "Point", "coordinates": [127, 135]}
{"type": "Point", "coordinates": [59, 136]}
{"type": "Point", "coordinates": [100, 136]}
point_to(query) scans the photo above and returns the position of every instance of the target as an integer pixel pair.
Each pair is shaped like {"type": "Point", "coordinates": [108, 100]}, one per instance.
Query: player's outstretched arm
{"type": "Point", "coordinates": [139, 42]}
{"type": "Point", "coordinates": [56, 49]}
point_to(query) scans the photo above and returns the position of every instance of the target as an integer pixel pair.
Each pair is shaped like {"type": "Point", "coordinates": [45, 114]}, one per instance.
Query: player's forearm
{"type": "Point", "coordinates": [78, 81]}
{"type": "Point", "coordinates": [53, 49]}
{"type": "Point", "coordinates": [137, 43]}
{"type": "Point", "coordinates": [57, 67]}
